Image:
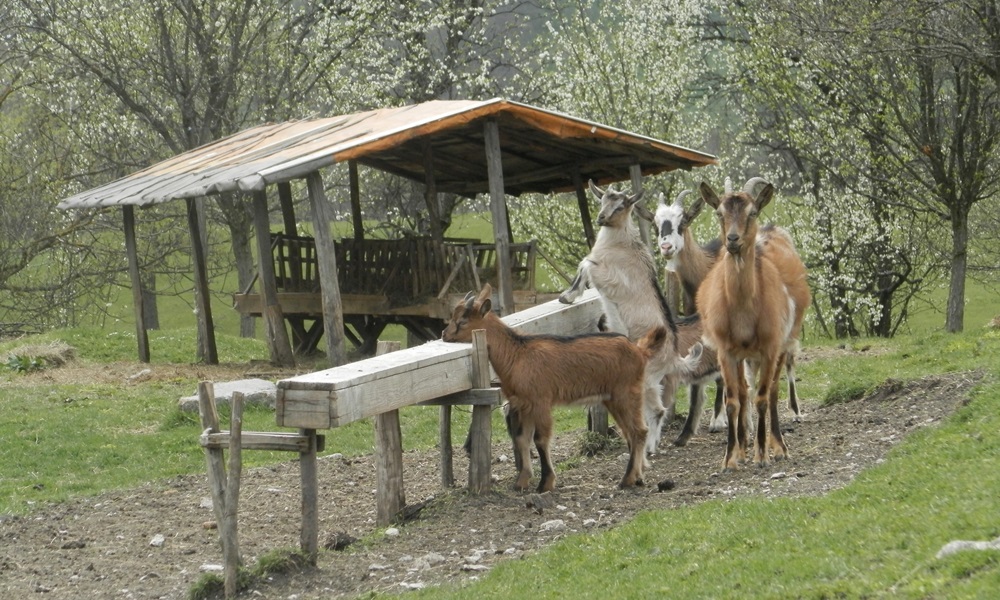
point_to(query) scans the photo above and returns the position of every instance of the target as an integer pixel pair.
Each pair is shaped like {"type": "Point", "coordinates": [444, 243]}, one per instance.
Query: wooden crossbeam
{"type": "Point", "coordinates": [262, 440]}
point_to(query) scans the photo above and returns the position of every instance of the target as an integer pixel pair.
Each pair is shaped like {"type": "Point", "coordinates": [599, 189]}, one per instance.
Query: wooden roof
{"type": "Point", "coordinates": [540, 150]}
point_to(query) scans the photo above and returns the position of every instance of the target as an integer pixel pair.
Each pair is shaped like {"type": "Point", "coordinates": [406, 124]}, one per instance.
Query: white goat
{"type": "Point", "coordinates": [621, 268]}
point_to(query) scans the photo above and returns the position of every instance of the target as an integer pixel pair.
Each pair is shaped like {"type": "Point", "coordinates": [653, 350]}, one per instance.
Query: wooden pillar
{"type": "Point", "coordinates": [390, 498]}
{"type": "Point", "coordinates": [277, 336]}
{"type": "Point", "coordinates": [636, 172]}
{"type": "Point", "coordinates": [430, 194]}
{"type": "Point", "coordinates": [287, 208]}
{"type": "Point", "coordinates": [498, 211]}
{"type": "Point", "coordinates": [481, 430]}
{"type": "Point", "coordinates": [309, 537]}
{"type": "Point", "coordinates": [444, 441]}
{"type": "Point", "coordinates": [207, 351]}
{"type": "Point", "coordinates": [584, 204]}
{"type": "Point", "coordinates": [355, 183]}
{"type": "Point", "coordinates": [138, 308]}
{"type": "Point", "coordinates": [326, 256]}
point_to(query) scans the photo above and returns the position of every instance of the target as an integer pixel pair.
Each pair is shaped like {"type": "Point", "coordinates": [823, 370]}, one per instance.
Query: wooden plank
{"type": "Point", "coordinates": [474, 397]}
{"type": "Point", "coordinates": [498, 211]}
{"type": "Point", "coordinates": [258, 440]}
{"type": "Point", "coordinates": [306, 409]}
{"type": "Point", "coordinates": [309, 480]}
{"type": "Point", "coordinates": [481, 429]}
{"type": "Point", "coordinates": [128, 214]}
{"type": "Point", "coordinates": [389, 494]}
{"type": "Point", "coordinates": [333, 316]}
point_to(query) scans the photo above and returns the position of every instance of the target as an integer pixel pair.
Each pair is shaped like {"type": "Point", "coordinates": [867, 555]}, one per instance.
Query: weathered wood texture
{"type": "Point", "coordinates": [390, 496]}
{"type": "Point", "coordinates": [337, 396]}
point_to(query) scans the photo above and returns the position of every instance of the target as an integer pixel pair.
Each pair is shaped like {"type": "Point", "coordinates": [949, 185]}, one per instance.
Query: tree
{"type": "Point", "coordinates": [895, 102]}
{"type": "Point", "coordinates": [165, 76]}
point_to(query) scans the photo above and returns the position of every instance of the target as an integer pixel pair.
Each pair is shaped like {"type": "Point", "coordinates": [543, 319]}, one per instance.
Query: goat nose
{"type": "Point", "coordinates": [732, 238]}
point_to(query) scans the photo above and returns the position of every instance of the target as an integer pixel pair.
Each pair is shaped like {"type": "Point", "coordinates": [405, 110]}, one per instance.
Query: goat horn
{"type": "Point", "coordinates": [680, 197]}
{"type": "Point", "coordinates": [750, 185]}
{"type": "Point", "coordinates": [729, 186]}
{"type": "Point", "coordinates": [470, 299]}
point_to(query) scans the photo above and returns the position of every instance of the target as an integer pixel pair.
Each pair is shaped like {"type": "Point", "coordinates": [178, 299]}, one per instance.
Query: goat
{"type": "Point", "coordinates": [692, 262]}
{"type": "Point", "coordinates": [538, 372]}
{"type": "Point", "coordinates": [753, 302]}
{"type": "Point", "coordinates": [621, 268]}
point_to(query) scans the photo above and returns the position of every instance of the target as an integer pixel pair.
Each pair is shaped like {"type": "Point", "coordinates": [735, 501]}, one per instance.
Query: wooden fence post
{"type": "Point", "coordinates": [481, 430]}
{"type": "Point", "coordinates": [390, 497]}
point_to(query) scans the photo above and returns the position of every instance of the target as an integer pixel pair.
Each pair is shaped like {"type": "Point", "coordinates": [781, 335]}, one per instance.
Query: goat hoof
{"type": "Point", "coordinates": [681, 441]}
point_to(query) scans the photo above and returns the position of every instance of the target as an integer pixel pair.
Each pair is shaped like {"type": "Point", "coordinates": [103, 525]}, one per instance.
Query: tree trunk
{"type": "Point", "coordinates": [955, 317]}
{"type": "Point", "coordinates": [240, 222]}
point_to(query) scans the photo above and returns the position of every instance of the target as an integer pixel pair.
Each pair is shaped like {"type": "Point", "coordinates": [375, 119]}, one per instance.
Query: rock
{"type": "Point", "coordinates": [157, 541]}
{"type": "Point", "coordinates": [553, 525]}
{"type": "Point", "coordinates": [255, 392]}
{"type": "Point", "coordinates": [960, 546]}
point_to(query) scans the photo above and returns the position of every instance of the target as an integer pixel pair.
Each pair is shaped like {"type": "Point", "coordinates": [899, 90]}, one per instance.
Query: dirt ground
{"type": "Point", "coordinates": [155, 541]}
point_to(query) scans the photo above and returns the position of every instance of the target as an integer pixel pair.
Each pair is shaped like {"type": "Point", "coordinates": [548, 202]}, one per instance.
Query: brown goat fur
{"type": "Point", "coordinates": [753, 302]}
{"type": "Point", "coordinates": [538, 372]}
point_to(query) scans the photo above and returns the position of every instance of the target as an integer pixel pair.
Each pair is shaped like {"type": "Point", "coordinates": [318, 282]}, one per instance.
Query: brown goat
{"type": "Point", "coordinates": [538, 372]}
{"type": "Point", "coordinates": [752, 302]}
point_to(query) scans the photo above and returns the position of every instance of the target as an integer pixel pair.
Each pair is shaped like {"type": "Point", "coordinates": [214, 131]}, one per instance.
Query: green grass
{"type": "Point", "coordinates": [875, 538]}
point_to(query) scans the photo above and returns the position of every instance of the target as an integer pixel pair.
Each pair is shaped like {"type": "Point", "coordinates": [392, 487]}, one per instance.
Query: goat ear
{"type": "Point", "coordinates": [485, 307]}
{"type": "Point", "coordinates": [635, 198]}
{"type": "Point", "coordinates": [708, 195]}
{"type": "Point", "coordinates": [764, 197]}
{"type": "Point", "coordinates": [643, 212]}
{"type": "Point", "coordinates": [693, 211]}
{"type": "Point", "coordinates": [486, 293]}
{"type": "Point", "coordinates": [595, 190]}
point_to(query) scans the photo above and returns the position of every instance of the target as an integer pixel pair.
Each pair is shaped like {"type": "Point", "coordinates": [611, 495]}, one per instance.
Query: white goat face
{"type": "Point", "coordinates": [668, 220]}
{"type": "Point", "coordinates": [615, 206]}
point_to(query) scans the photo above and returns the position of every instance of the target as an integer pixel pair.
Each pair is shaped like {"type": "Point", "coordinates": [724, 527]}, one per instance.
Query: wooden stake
{"type": "Point", "coordinates": [481, 429]}
{"type": "Point", "coordinates": [390, 496]}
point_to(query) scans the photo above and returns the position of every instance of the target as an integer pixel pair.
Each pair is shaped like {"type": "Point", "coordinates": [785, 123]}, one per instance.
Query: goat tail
{"type": "Point", "coordinates": [654, 340]}
{"type": "Point", "coordinates": [691, 363]}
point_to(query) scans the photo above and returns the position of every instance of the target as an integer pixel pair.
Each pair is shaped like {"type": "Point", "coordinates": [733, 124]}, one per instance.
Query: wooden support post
{"type": "Point", "coordinates": [389, 496]}
{"type": "Point", "coordinates": [430, 194]}
{"type": "Point", "coordinates": [228, 528]}
{"type": "Point", "coordinates": [444, 437]}
{"type": "Point", "coordinates": [355, 184]}
{"type": "Point", "coordinates": [308, 476]}
{"type": "Point", "coordinates": [636, 172]}
{"type": "Point", "coordinates": [131, 251]}
{"type": "Point", "coordinates": [333, 312]}
{"type": "Point", "coordinates": [225, 491]}
{"type": "Point", "coordinates": [277, 336]}
{"type": "Point", "coordinates": [287, 208]}
{"type": "Point", "coordinates": [481, 430]}
{"type": "Point", "coordinates": [583, 203]}
{"type": "Point", "coordinates": [207, 351]}
{"type": "Point", "coordinates": [498, 211]}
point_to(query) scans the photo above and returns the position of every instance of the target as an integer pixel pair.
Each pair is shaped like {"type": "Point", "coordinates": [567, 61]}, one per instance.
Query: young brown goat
{"type": "Point", "coordinates": [753, 302]}
{"type": "Point", "coordinates": [538, 372]}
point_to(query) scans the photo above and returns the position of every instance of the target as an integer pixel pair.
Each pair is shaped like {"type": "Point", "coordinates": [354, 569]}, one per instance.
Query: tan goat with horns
{"type": "Point", "coordinates": [752, 302]}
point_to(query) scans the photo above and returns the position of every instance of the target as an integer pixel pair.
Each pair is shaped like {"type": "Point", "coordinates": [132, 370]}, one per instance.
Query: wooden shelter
{"type": "Point", "coordinates": [495, 147]}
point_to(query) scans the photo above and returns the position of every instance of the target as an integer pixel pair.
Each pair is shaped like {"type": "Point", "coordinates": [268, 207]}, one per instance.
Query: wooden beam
{"type": "Point", "coordinates": [430, 194]}
{"type": "Point", "coordinates": [636, 172]}
{"type": "Point", "coordinates": [355, 185]}
{"type": "Point", "coordinates": [138, 309]}
{"type": "Point", "coordinates": [277, 336]}
{"type": "Point", "coordinates": [287, 208]}
{"type": "Point", "coordinates": [583, 202]}
{"type": "Point", "coordinates": [326, 256]}
{"type": "Point", "coordinates": [498, 211]}
{"type": "Point", "coordinates": [481, 429]}
{"type": "Point", "coordinates": [207, 351]}
{"type": "Point", "coordinates": [258, 440]}
{"type": "Point", "coordinates": [390, 497]}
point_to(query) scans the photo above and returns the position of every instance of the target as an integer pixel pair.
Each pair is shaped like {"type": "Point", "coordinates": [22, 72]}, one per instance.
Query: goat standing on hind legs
{"type": "Point", "coordinates": [538, 372]}
{"type": "Point", "coordinates": [753, 302]}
